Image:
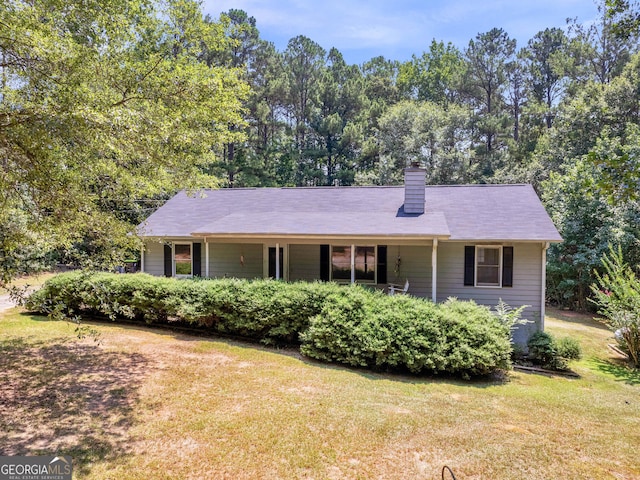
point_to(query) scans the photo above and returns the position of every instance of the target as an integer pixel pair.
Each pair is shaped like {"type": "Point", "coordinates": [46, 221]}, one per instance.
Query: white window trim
{"type": "Point", "coordinates": [475, 267]}
{"type": "Point", "coordinates": [173, 259]}
{"type": "Point", "coordinates": [353, 247]}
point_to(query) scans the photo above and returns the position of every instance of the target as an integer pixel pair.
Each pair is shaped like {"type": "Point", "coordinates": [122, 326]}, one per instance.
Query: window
{"type": "Point", "coordinates": [341, 263]}
{"type": "Point", "coordinates": [364, 264]}
{"type": "Point", "coordinates": [488, 266]}
{"type": "Point", "coordinates": [182, 259]}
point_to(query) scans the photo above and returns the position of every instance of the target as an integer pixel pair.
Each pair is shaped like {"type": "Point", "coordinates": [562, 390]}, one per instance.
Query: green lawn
{"type": "Point", "coordinates": [154, 404]}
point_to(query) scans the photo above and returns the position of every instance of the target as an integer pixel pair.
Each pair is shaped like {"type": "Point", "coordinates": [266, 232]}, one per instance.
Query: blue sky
{"type": "Point", "coordinates": [397, 29]}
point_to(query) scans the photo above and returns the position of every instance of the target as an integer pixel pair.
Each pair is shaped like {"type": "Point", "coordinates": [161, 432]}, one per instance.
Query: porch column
{"type": "Point", "coordinates": [206, 258]}
{"type": "Point", "coordinates": [543, 284]}
{"type": "Point", "coordinates": [277, 261]}
{"type": "Point", "coordinates": [353, 264]}
{"type": "Point", "coordinates": [434, 270]}
{"type": "Point", "coordinates": [142, 258]}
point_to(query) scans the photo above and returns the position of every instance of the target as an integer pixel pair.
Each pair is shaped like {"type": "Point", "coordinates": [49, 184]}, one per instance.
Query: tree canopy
{"type": "Point", "coordinates": [107, 107]}
{"type": "Point", "coordinates": [104, 107]}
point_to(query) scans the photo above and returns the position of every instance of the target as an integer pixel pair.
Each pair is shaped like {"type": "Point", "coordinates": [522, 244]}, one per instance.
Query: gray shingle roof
{"type": "Point", "coordinates": [461, 212]}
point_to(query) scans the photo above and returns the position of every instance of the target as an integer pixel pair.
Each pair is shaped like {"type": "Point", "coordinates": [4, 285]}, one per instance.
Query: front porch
{"type": "Point", "coordinates": [341, 260]}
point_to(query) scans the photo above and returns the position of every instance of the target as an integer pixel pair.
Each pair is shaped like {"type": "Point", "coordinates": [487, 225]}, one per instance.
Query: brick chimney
{"type": "Point", "coordinates": [414, 186]}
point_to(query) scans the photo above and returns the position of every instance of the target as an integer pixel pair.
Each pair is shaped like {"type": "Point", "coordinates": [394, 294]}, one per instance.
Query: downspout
{"type": "Point", "coordinates": [434, 270]}
{"type": "Point", "coordinates": [142, 258]}
{"type": "Point", "coordinates": [543, 286]}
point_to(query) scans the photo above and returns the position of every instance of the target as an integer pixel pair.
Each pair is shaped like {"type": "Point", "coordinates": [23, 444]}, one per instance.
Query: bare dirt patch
{"type": "Point", "coordinates": [67, 397]}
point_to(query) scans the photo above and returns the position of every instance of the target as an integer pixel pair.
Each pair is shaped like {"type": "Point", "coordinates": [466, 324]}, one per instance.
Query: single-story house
{"type": "Point", "coordinates": [480, 242]}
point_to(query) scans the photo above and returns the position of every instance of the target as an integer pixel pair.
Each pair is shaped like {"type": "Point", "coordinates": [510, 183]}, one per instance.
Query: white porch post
{"type": "Point", "coordinates": [543, 284]}
{"type": "Point", "coordinates": [206, 258]}
{"type": "Point", "coordinates": [277, 261]}
{"type": "Point", "coordinates": [353, 264]}
{"type": "Point", "coordinates": [142, 258]}
{"type": "Point", "coordinates": [434, 270]}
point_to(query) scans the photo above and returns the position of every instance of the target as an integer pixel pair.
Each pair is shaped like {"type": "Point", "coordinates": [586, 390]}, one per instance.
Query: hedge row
{"type": "Point", "coordinates": [350, 325]}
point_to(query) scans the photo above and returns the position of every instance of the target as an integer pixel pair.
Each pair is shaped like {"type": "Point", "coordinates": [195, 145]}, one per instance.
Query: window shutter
{"type": "Point", "coordinates": [507, 266]}
{"type": "Point", "coordinates": [168, 263]}
{"type": "Point", "coordinates": [324, 263]}
{"type": "Point", "coordinates": [382, 264]}
{"type": "Point", "coordinates": [197, 259]}
{"type": "Point", "coordinates": [469, 265]}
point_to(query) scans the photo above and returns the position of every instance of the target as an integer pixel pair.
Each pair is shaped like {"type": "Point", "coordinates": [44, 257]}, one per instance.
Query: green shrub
{"type": "Point", "coordinates": [345, 324]}
{"type": "Point", "coordinates": [270, 311]}
{"type": "Point", "coordinates": [569, 348]}
{"type": "Point", "coordinates": [542, 349]}
{"type": "Point", "coordinates": [545, 350]}
{"type": "Point", "coordinates": [617, 295]}
{"type": "Point", "coordinates": [369, 329]}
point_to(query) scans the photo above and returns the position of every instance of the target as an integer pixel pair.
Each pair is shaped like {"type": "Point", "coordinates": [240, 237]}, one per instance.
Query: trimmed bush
{"type": "Point", "coordinates": [373, 330]}
{"type": "Point", "coordinates": [569, 348]}
{"type": "Point", "coordinates": [266, 310]}
{"type": "Point", "coordinates": [345, 324]}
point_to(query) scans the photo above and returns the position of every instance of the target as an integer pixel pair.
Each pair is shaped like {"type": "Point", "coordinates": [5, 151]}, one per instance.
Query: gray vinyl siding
{"type": "Point", "coordinates": [224, 260]}
{"type": "Point", "coordinates": [415, 266]}
{"type": "Point", "coordinates": [154, 258]}
{"type": "Point", "coordinates": [304, 263]}
{"type": "Point", "coordinates": [526, 290]}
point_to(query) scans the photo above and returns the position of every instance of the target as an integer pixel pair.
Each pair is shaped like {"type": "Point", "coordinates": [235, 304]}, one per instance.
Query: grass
{"type": "Point", "coordinates": [29, 281]}
{"type": "Point", "coordinates": [155, 404]}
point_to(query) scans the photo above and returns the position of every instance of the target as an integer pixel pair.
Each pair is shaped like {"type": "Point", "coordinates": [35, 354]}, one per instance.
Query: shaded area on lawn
{"type": "Point", "coordinates": [619, 369]}
{"type": "Point", "coordinates": [590, 320]}
{"type": "Point", "coordinates": [67, 397]}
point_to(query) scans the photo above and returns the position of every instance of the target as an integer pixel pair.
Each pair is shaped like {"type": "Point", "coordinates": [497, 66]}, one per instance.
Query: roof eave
{"type": "Point", "coordinates": [288, 236]}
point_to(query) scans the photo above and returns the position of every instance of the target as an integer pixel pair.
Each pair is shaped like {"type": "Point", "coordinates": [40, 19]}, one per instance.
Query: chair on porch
{"type": "Point", "coordinates": [393, 288]}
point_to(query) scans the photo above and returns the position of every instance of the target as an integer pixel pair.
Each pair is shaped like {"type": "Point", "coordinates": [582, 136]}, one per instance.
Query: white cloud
{"type": "Point", "coordinates": [402, 27]}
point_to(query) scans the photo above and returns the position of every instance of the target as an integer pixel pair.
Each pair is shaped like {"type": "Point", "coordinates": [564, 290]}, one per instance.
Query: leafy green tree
{"type": "Point", "coordinates": [600, 53]}
{"type": "Point", "coordinates": [617, 294]}
{"type": "Point", "coordinates": [304, 62]}
{"type": "Point", "coordinates": [588, 223]}
{"type": "Point", "coordinates": [380, 76]}
{"type": "Point", "coordinates": [544, 58]}
{"type": "Point", "coordinates": [104, 104]}
{"type": "Point", "coordinates": [426, 133]}
{"type": "Point", "coordinates": [341, 101]}
{"type": "Point", "coordinates": [435, 76]}
{"type": "Point", "coordinates": [235, 163]}
{"type": "Point", "coordinates": [487, 57]}
{"type": "Point", "coordinates": [516, 93]}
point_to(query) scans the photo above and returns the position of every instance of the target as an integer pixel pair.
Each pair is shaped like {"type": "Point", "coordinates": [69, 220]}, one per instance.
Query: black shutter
{"type": "Point", "coordinates": [324, 263]}
{"type": "Point", "coordinates": [469, 265]}
{"type": "Point", "coordinates": [382, 264]}
{"type": "Point", "coordinates": [507, 266]}
{"type": "Point", "coordinates": [272, 262]}
{"type": "Point", "coordinates": [168, 263]}
{"type": "Point", "coordinates": [197, 259]}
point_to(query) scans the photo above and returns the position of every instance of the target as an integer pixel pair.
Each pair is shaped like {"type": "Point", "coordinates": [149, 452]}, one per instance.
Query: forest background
{"type": "Point", "coordinates": [108, 107]}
